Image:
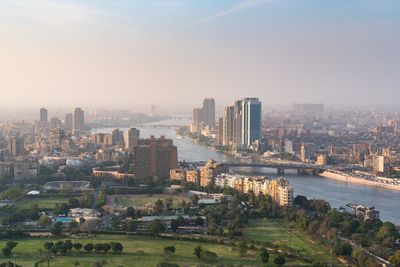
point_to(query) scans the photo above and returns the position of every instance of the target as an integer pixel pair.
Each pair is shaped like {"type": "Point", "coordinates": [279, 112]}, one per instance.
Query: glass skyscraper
{"type": "Point", "coordinates": [251, 121]}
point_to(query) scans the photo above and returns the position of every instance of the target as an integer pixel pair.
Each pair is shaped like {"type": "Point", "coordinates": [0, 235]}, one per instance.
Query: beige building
{"type": "Point", "coordinates": [193, 176]}
{"type": "Point", "coordinates": [177, 174]}
{"type": "Point", "coordinates": [321, 160]}
{"type": "Point", "coordinates": [209, 171]}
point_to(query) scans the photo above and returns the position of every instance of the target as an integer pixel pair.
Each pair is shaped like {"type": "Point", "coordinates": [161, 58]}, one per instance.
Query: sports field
{"type": "Point", "coordinates": [44, 202]}
{"type": "Point", "coordinates": [140, 201]}
{"type": "Point", "coordinates": [274, 231]}
{"type": "Point", "coordinates": [138, 251]}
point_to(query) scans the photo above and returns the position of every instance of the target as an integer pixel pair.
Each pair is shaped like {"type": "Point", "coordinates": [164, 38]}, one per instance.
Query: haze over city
{"type": "Point", "coordinates": [172, 53]}
{"type": "Point", "coordinates": [171, 133]}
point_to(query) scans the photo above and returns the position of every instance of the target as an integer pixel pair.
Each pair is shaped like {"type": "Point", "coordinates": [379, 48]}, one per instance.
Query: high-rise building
{"type": "Point", "coordinates": [321, 160]}
{"type": "Point", "coordinates": [57, 135]}
{"type": "Point", "coordinates": [54, 123]}
{"type": "Point", "coordinates": [237, 125]}
{"type": "Point", "coordinates": [131, 137]}
{"type": "Point", "coordinates": [288, 146]}
{"type": "Point", "coordinates": [43, 115]}
{"type": "Point", "coordinates": [209, 112]}
{"type": "Point", "coordinates": [197, 115]}
{"type": "Point", "coordinates": [79, 120]}
{"type": "Point", "coordinates": [117, 137]}
{"type": "Point", "coordinates": [251, 121]}
{"type": "Point", "coordinates": [16, 146]}
{"type": "Point", "coordinates": [155, 157]}
{"type": "Point", "coordinates": [378, 163]}
{"type": "Point", "coordinates": [68, 122]}
{"type": "Point", "coordinates": [228, 122]}
{"type": "Point", "coordinates": [220, 131]}
{"type": "Point", "coordinates": [25, 168]}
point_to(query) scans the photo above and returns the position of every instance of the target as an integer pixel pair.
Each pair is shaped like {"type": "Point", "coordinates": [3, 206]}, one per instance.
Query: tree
{"type": "Point", "coordinates": [344, 249]}
{"type": "Point", "coordinates": [264, 256]}
{"type": "Point", "coordinates": [98, 247]}
{"type": "Point", "coordinates": [169, 251]}
{"type": "Point", "coordinates": [73, 227]}
{"type": "Point", "coordinates": [387, 229]}
{"type": "Point", "coordinates": [77, 246]}
{"type": "Point", "coordinates": [156, 227]}
{"type": "Point", "coordinates": [130, 212]}
{"type": "Point", "coordinates": [197, 251]}
{"type": "Point", "coordinates": [395, 259]}
{"type": "Point", "coordinates": [242, 245]}
{"type": "Point", "coordinates": [208, 256]}
{"type": "Point", "coordinates": [106, 247]}
{"type": "Point", "coordinates": [6, 251]}
{"type": "Point", "coordinates": [44, 220]}
{"type": "Point", "coordinates": [280, 260]}
{"type": "Point", "coordinates": [158, 207]}
{"type": "Point", "coordinates": [68, 245]}
{"type": "Point", "coordinates": [48, 246]}
{"type": "Point", "coordinates": [57, 229]}
{"type": "Point", "coordinates": [116, 247]}
{"type": "Point", "coordinates": [88, 247]}
{"type": "Point", "coordinates": [10, 245]}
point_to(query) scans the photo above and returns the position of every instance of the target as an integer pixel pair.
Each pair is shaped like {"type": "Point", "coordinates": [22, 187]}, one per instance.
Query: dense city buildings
{"type": "Point", "coordinates": [154, 157]}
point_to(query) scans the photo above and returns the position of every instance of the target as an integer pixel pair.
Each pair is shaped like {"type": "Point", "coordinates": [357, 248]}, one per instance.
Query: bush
{"type": "Point", "coordinates": [208, 256]}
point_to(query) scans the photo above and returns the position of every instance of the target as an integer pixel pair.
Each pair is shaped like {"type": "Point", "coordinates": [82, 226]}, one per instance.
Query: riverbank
{"type": "Point", "coordinates": [344, 177]}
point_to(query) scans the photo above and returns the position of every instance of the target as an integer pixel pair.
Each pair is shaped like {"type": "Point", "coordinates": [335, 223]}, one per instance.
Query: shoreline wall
{"type": "Point", "coordinates": [355, 180]}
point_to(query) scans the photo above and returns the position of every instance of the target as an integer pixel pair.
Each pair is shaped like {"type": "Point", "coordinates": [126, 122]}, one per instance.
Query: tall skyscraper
{"type": "Point", "coordinates": [79, 120]}
{"type": "Point", "coordinates": [251, 121]}
{"type": "Point", "coordinates": [131, 137]}
{"type": "Point", "coordinates": [209, 112]}
{"type": "Point", "coordinates": [220, 131]}
{"type": "Point", "coordinates": [54, 123]}
{"type": "Point", "coordinates": [68, 122]}
{"type": "Point", "coordinates": [16, 146]}
{"type": "Point", "coordinates": [117, 137]}
{"type": "Point", "coordinates": [155, 157]}
{"type": "Point", "coordinates": [228, 120]}
{"type": "Point", "coordinates": [197, 115]}
{"type": "Point", "coordinates": [43, 115]}
{"type": "Point", "coordinates": [237, 125]}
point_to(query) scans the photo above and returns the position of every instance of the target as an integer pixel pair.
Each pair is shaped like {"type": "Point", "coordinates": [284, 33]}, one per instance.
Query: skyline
{"type": "Point", "coordinates": [123, 54]}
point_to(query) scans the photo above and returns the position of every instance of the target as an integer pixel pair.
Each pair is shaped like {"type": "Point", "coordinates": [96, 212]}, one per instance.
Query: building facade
{"type": "Point", "coordinates": [155, 157]}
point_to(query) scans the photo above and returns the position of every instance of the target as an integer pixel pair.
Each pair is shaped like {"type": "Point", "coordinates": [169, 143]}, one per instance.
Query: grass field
{"type": "Point", "coordinates": [273, 230]}
{"type": "Point", "coordinates": [138, 251]}
{"type": "Point", "coordinates": [44, 202]}
{"type": "Point", "coordinates": [138, 201]}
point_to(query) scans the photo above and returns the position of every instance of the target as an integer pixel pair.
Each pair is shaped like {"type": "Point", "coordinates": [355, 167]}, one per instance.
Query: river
{"type": "Point", "coordinates": [335, 192]}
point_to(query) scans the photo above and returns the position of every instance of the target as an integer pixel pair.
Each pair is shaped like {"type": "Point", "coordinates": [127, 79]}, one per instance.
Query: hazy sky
{"type": "Point", "coordinates": [134, 53]}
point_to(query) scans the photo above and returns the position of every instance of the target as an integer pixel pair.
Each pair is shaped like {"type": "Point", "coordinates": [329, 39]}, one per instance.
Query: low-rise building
{"type": "Point", "coordinates": [361, 211]}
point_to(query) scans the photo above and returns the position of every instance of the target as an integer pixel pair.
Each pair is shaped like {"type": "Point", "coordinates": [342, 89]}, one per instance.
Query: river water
{"type": "Point", "coordinates": [335, 192]}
